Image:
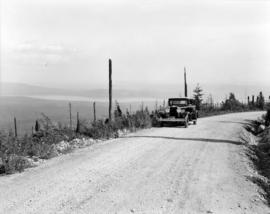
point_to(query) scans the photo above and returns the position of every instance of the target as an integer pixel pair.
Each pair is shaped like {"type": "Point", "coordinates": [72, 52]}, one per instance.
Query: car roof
{"type": "Point", "coordinates": [177, 98]}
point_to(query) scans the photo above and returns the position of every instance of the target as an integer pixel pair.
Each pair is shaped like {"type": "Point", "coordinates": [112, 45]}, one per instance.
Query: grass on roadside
{"type": "Point", "coordinates": [16, 151]}
{"type": "Point", "coordinates": [261, 152]}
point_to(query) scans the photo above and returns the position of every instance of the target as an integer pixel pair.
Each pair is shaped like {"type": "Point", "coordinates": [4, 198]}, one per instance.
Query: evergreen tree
{"type": "Point", "coordinates": [232, 103]}
{"type": "Point", "coordinates": [117, 111]}
{"type": "Point", "coordinates": [260, 102]}
{"type": "Point", "coordinates": [198, 96]}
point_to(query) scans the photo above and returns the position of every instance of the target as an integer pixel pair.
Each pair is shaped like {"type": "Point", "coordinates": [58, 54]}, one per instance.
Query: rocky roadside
{"type": "Point", "coordinates": [58, 149]}
{"type": "Point", "coordinates": [257, 137]}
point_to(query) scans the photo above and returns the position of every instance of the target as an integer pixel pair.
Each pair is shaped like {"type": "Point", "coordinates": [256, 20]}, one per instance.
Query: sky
{"type": "Point", "coordinates": [67, 43]}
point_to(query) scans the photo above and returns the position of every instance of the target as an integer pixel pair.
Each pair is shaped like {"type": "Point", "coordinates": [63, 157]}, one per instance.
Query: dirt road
{"type": "Point", "coordinates": [202, 169]}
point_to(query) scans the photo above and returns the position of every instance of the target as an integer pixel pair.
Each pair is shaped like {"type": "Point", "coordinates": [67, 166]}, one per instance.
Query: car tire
{"type": "Point", "coordinates": [194, 122]}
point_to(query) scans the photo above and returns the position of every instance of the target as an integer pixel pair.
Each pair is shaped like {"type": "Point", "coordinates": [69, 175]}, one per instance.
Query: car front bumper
{"type": "Point", "coordinates": [171, 119]}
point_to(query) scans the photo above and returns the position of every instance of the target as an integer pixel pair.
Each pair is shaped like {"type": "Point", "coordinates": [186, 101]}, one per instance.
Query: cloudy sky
{"type": "Point", "coordinates": [68, 42]}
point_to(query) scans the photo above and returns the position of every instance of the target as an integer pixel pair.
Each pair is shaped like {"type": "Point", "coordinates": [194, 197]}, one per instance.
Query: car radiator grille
{"type": "Point", "coordinates": [173, 112]}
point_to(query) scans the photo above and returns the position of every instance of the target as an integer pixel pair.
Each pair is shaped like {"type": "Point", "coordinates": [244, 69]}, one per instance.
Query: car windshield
{"type": "Point", "coordinates": [178, 102]}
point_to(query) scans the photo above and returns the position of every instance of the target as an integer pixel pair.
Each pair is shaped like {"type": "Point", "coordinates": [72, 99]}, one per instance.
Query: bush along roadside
{"type": "Point", "coordinates": [260, 152]}
{"type": "Point", "coordinates": [50, 139]}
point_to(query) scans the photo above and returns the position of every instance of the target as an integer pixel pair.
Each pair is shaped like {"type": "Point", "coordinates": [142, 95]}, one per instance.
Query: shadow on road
{"type": "Point", "coordinates": [242, 123]}
{"type": "Point", "coordinates": [174, 125]}
{"type": "Point", "coordinates": [190, 139]}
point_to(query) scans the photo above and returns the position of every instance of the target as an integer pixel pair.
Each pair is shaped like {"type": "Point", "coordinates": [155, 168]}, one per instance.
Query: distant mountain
{"type": "Point", "coordinates": [140, 91]}
{"type": "Point", "coordinates": [20, 89]}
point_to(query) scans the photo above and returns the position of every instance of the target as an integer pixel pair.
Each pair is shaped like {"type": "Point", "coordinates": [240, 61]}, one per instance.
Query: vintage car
{"type": "Point", "coordinates": [179, 110]}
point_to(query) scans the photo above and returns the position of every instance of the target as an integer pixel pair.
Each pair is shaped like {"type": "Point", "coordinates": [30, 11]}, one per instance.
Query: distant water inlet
{"type": "Point", "coordinates": [27, 109]}
{"type": "Point", "coordinates": [98, 99]}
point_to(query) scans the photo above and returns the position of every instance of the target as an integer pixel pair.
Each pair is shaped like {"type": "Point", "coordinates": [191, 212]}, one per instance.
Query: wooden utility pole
{"type": "Point", "coordinates": [110, 89]}
{"type": "Point", "coordinates": [94, 107]}
{"type": "Point", "coordinates": [15, 127]}
{"type": "Point", "coordinates": [185, 77]}
{"type": "Point", "coordinates": [70, 117]}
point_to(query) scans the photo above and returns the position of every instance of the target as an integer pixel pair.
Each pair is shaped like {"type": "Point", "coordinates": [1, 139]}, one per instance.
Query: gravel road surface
{"type": "Point", "coordinates": [202, 169]}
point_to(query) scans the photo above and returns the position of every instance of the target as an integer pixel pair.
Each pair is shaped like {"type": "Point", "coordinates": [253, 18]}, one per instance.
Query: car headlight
{"type": "Point", "coordinates": [179, 110]}
{"type": "Point", "coordinates": [167, 110]}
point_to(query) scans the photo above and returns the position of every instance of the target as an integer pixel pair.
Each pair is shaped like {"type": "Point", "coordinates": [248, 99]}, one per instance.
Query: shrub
{"type": "Point", "coordinates": [267, 117]}
{"type": "Point", "coordinates": [15, 163]}
{"type": "Point", "coordinates": [98, 129]}
{"type": "Point", "coordinates": [101, 129]}
{"type": "Point", "coordinates": [42, 143]}
{"type": "Point", "coordinates": [262, 156]}
{"type": "Point", "coordinates": [232, 104]}
{"type": "Point", "coordinates": [154, 119]}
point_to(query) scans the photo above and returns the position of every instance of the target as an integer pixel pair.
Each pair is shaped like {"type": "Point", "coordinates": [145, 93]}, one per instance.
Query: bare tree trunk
{"type": "Point", "coordinates": [15, 127]}
{"type": "Point", "coordinates": [110, 89]}
{"type": "Point", "coordinates": [78, 123]}
{"type": "Point", "coordinates": [37, 126]}
{"type": "Point", "coordinates": [70, 117]}
{"type": "Point", "coordinates": [94, 107]}
{"type": "Point", "coordinates": [185, 77]}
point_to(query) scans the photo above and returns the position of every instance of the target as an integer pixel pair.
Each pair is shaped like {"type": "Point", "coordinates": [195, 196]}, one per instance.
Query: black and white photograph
{"type": "Point", "coordinates": [134, 106]}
